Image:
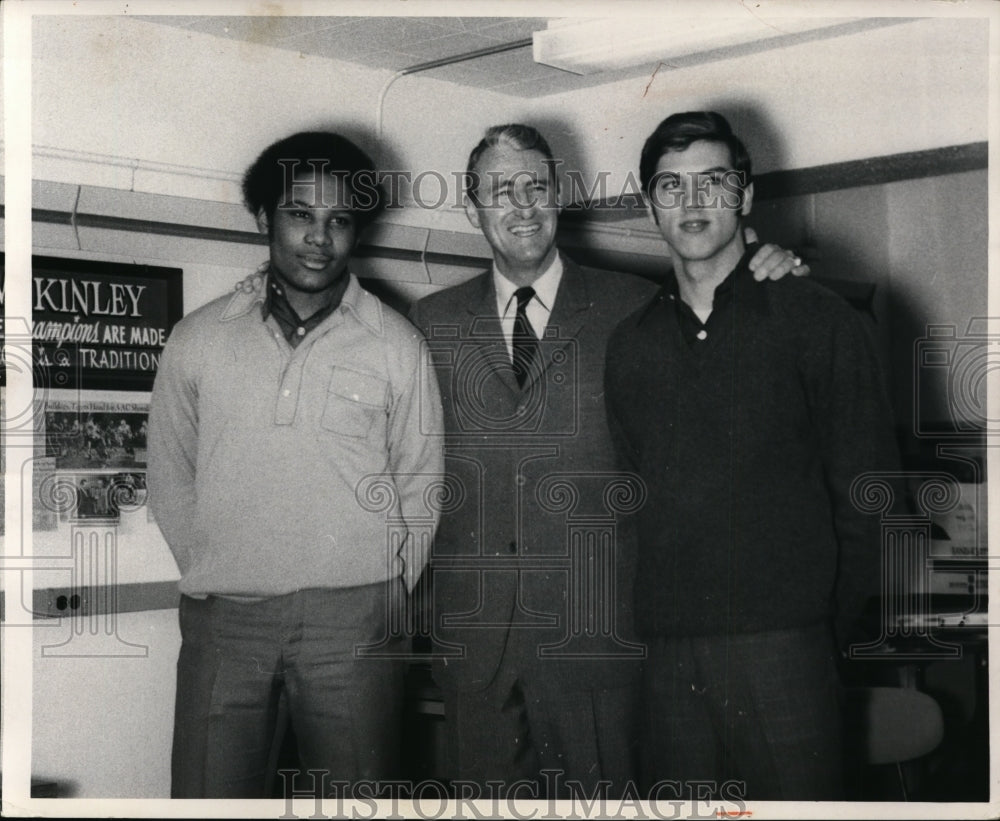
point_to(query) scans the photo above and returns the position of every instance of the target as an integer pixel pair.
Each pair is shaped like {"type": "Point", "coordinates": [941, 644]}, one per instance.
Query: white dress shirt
{"type": "Point", "coordinates": [538, 309]}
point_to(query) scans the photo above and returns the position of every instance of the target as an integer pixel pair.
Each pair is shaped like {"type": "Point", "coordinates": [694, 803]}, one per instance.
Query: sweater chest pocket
{"type": "Point", "coordinates": [355, 403]}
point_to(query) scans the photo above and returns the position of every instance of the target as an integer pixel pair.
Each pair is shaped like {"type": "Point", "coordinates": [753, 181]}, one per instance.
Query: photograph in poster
{"type": "Point", "coordinates": [96, 498]}
{"type": "Point", "coordinates": [96, 435]}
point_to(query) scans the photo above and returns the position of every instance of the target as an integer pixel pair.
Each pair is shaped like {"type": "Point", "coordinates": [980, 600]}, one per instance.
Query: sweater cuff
{"type": "Point", "coordinates": [414, 555]}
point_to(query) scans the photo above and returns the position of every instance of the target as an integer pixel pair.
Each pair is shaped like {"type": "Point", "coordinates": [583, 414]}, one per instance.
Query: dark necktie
{"type": "Point", "coordinates": [525, 343]}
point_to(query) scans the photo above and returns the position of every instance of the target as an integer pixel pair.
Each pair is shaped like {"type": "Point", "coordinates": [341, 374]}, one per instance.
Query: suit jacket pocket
{"type": "Point", "coordinates": [354, 403]}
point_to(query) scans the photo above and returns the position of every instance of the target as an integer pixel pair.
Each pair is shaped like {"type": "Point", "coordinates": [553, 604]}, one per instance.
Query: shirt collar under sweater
{"type": "Point", "coordinates": [356, 301]}
{"type": "Point", "coordinates": [293, 327]}
{"type": "Point", "coordinates": [692, 328]}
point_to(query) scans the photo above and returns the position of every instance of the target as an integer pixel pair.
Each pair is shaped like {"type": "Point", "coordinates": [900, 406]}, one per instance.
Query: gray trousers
{"type": "Point", "coordinates": [238, 659]}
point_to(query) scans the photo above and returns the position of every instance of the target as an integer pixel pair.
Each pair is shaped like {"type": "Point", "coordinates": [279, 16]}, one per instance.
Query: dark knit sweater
{"type": "Point", "coordinates": [748, 441]}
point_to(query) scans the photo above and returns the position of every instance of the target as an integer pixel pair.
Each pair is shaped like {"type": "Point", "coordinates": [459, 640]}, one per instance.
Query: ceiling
{"type": "Point", "coordinates": [394, 43]}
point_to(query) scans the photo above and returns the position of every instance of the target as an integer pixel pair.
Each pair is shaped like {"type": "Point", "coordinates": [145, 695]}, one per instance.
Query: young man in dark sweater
{"type": "Point", "coordinates": [747, 411]}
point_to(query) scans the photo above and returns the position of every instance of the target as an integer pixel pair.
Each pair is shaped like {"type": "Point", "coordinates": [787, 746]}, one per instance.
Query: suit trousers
{"type": "Point", "coordinates": [564, 742]}
{"type": "Point", "coordinates": [239, 658]}
{"type": "Point", "coordinates": [757, 715]}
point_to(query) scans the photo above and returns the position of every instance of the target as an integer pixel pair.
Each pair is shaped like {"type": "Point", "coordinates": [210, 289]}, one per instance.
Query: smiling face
{"type": "Point", "coordinates": [312, 235]}
{"type": "Point", "coordinates": [698, 208]}
{"type": "Point", "coordinates": [516, 210]}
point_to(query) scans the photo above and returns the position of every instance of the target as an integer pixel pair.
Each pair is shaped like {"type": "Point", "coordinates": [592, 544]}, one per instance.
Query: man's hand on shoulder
{"type": "Point", "coordinates": [772, 262]}
{"type": "Point", "coordinates": [253, 282]}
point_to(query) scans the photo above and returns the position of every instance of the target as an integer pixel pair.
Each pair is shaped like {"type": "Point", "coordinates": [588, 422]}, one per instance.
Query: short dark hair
{"type": "Point", "coordinates": [678, 131]}
{"type": "Point", "coordinates": [518, 136]}
{"type": "Point", "coordinates": [264, 182]}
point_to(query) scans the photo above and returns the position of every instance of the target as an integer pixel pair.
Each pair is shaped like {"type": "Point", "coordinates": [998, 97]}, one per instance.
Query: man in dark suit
{"type": "Point", "coordinates": [531, 573]}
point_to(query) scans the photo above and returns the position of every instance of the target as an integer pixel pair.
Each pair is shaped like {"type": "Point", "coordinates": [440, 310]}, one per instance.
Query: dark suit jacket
{"type": "Point", "coordinates": [530, 565]}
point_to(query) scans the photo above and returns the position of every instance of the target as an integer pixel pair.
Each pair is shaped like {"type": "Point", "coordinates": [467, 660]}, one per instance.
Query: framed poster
{"type": "Point", "coordinates": [100, 325]}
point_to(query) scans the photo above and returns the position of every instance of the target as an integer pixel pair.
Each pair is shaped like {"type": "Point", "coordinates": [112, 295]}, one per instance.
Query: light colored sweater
{"type": "Point", "coordinates": [273, 469]}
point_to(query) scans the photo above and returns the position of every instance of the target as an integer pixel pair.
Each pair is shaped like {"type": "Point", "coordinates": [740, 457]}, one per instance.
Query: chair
{"type": "Point", "coordinates": [896, 724]}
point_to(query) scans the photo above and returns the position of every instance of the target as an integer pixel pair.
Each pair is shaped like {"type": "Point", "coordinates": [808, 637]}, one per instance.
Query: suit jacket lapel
{"type": "Point", "coordinates": [566, 319]}
{"type": "Point", "coordinates": [486, 330]}
{"type": "Point", "coordinates": [568, 316]}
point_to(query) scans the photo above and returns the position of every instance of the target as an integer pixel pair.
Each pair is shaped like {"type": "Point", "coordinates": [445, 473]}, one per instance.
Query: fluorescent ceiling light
{"type": "Point", "coordinates": [603, 44]}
